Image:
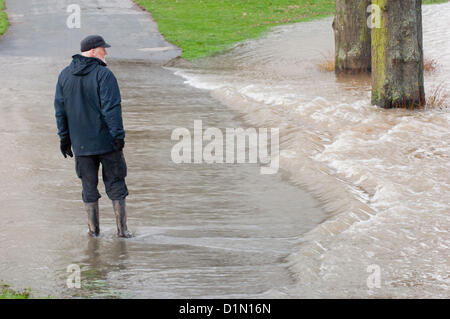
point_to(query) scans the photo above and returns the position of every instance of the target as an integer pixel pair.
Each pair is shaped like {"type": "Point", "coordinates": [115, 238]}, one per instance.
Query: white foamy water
{"type": "Point", "coordinates": [382, 175]}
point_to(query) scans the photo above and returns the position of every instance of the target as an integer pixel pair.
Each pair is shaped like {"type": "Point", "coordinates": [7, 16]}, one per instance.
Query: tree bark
{"type": "Point", "coordinates": [352, 37]}
{"type": "Point", "coordinates": [397, 55]}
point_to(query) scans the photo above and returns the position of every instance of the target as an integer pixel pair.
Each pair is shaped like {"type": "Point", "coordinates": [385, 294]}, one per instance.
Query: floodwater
{"type": "Point", "coordinates": [382, 175]}
{"type": "Point", "coordinates": [200, 230]}
{"type": "Point", "coordinates": [358, 186]}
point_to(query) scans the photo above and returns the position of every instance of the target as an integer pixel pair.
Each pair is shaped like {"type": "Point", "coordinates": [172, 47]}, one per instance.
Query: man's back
{"type": "Point", "coordinates": [89, 118]}
{"type": "Point", "coordinates": [88, 106]}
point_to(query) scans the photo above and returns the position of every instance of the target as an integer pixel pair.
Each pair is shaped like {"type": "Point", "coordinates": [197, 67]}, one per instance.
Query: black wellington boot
{"type": "Point", "coordinates": [93, 218]}
{"type": "Point", "coordinates": [121, 218]}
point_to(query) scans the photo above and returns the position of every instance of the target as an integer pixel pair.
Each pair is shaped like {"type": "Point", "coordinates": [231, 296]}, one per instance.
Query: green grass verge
{"type": "Point", "coordinates": [204, 27]}
{"type": "Point", "coordinates": [7, 293]}
{"type": "Point", "coordinates": [3, 18]}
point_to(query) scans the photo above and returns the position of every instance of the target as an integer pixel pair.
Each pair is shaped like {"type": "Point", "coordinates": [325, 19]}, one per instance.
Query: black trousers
{"type": "Point", "coordinates": [114, 171]}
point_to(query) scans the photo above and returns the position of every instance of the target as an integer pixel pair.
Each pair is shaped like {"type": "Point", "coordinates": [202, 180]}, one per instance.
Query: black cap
{"type": "Point", "coordinates": [92, 42]}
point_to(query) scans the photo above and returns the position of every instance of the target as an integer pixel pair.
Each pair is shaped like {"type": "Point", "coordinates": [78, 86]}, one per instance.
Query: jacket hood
{"type": "Point", "coordinates": [82, 65]}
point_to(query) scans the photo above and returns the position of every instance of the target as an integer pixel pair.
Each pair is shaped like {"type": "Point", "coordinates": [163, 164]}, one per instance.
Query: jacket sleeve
{"type": "Point", "coordinates": [110, 106]}
{"type": "Point", "coordinates": [60, 113]}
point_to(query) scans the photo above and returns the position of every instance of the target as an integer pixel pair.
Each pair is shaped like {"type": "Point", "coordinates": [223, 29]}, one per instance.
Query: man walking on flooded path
{"type": "Point", "coordinates": [89, 118]}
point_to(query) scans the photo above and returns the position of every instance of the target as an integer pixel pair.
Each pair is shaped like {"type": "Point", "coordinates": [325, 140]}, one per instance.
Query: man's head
{"type": "Point", "coordinates": [94, 46]}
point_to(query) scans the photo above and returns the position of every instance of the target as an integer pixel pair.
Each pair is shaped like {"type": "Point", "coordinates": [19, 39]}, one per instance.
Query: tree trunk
{"type": "Point", "coordinates": [352, 37]}
{"type": "Point", "coordinates": [397, 55]}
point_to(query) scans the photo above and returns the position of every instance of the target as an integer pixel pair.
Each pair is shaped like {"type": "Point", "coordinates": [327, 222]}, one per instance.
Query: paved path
{"type": "Point", "coordinates": [38, 28]}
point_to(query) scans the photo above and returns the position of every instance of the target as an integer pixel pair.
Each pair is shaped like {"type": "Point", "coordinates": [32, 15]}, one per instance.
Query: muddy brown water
{"type": "Point", "coordinates": [359, 187]}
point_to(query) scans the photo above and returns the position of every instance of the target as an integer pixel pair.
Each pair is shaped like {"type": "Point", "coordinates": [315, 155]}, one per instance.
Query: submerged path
{"type": "Point", "coordinates": [201, 230]}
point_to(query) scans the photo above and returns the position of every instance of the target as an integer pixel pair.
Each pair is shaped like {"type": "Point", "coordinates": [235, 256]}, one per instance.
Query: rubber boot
{"type": "Point", "coordinates": [93, 218]}
{"type": "Point", "coordinates": [121, 218]}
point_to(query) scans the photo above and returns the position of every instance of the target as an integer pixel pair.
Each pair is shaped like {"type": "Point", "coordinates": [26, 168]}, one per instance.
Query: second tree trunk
{"type": "Point", "coordinates": [352, 37]}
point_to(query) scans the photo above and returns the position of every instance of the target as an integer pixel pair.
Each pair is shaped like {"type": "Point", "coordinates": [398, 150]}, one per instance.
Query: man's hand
{"type": "Point", "coordinates": [65, 147]}
{"type": "Point", "coordinates": [119, 144]}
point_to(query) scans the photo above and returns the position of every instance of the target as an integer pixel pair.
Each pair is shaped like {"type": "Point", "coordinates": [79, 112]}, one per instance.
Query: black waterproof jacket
{"type": "Point", "coordinates": [88, 106]}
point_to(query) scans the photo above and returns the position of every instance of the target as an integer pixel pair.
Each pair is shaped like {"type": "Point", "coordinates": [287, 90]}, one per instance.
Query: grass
{"type": "Point", "coordinates": [205, 27]}
{"type": "Point", "coordinates": [3, 18]}
{"type": "Point", "coordinates": [429, 65]}
{"type": "Point", "coordinates": [7, 293]}
{"type": "Point", "coordinates": [439, 98]}
{"type": "Point", "coordinates": [327, 64]}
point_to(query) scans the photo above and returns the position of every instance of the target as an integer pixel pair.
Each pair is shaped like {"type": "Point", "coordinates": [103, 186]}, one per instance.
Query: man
{"type": "Point", "coordinates": [89, 119]}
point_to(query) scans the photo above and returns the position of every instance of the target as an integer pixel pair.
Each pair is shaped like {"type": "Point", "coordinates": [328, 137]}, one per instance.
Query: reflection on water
{"type": "Point", "coordinates": [381, 174]}
{"type": "Point", "coordinates": [201, 230]}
